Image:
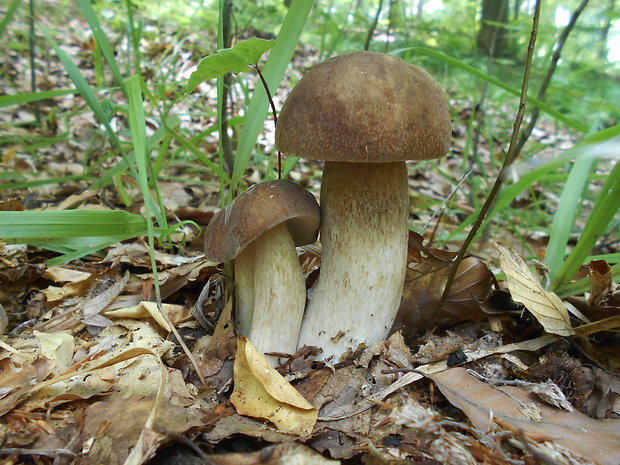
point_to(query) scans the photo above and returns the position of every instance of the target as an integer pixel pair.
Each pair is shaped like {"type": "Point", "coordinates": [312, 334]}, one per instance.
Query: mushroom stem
{"type": "Point", "coordinates": [244, 289]}
{"type": "Point", "coordinates": [364, 211]}
{"type": "Point", "coordinates": [271, 292]}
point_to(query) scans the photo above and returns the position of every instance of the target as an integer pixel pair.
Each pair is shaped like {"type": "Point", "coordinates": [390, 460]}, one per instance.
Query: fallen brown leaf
{"type": "Point", "coordinates": [426, 277]}
{"type": "Point", "coordinates": [486, 406]}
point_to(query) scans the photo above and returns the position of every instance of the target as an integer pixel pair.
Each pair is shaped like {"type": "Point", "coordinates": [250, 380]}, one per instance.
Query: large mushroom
{"type": "Point", "coordinates": [364, 113]}
{"type": "Point", "coordinates": [260, 230]}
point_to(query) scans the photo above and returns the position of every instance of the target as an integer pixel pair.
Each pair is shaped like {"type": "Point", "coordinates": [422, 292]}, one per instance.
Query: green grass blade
{"type": "Point", "coordinates": [134, 32]}
{"type": "Point", "coordinates": [102, 40]}
{"type": "Point", "coordinates": [84, 89]}
{"type": "Point", "coordinates": [27, 97]}
{"type": "Point", "coordinates": [69, 223]}
{"type": "Point", "coordinates": [188, 145]}
{"type": "Point", "coordinates": [605, 208]}
{"type": "Point", "coordinates": [591, 146]}
{"type": "Point", "coordinates": [564, 218]}
{"type": "Point", "coordinates": [288, 166]}
{"type": "Point", "coordinates": [8, 15]}
{"type": "Point", "coordinates": [137, 126]}
{"type": "Point", "coordinates": [273, 72]}
{"type": "Point", "coordinates": [68, 256]}
{"type": "Point", "coordinates": [496, 82]}
{"type": "Point", "coordinates": [582, 285]}
{"type": "Point", "coordinates": [40, 182]}
{"type": "Point", "coordinates": [108, 175]}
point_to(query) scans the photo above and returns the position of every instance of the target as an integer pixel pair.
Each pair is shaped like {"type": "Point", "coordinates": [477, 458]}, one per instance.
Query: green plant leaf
{"type": "Point", "coordinates": [27, 97]}
{"type": "Point", "coordinates": [605, 208]}
{"type": "Point", "coordinates": [229, 60]}
{"type": "Point", "coordinates": [273, 71]}
{"type": "Point", "coordinates": [8, 15]}
{"type": "Point", "coordinates": [496, 82]}
{"type": "Point", "coordinates": [595, 146]}
{"type": "Point", "coordinates": [102, 40]}
{"type": "Point", "coordinates": [564, 218]}
{"type": "Point", "coordinates": [69, 223]}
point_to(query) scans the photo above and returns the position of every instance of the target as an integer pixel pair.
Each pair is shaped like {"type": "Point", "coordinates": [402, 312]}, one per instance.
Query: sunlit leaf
{"type": "Point", "coordinates": [229, 60]}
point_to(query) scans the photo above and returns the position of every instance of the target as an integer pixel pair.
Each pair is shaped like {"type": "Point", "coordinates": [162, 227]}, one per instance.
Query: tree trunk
{"type": "Point", "coordinates": [420, 9]}
{"type": "Point", "coordinates": [604, 33]}
{"type": "Point", "coordinates": [493, 39]}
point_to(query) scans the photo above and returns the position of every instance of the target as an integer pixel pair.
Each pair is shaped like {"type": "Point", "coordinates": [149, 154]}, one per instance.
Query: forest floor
{"type": "Point", "coordinates": [90, 371]}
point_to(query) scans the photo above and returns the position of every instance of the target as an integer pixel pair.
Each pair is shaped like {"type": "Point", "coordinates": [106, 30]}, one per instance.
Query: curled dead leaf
{"type": "Point", "coordinates": [426, 277]}
{"type": "Point", "coordinates": [526, 289]}
{"type": "Point", "coordinates": [262, 392]}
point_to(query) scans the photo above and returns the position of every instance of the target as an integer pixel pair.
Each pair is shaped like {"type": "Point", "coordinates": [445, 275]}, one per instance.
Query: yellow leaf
{"type": "Point", "coordinates": [147, 309]}
{"type": "Point", "coordinates": [261, 392]}
{"type": "Point", "coordinates": [526, 289]}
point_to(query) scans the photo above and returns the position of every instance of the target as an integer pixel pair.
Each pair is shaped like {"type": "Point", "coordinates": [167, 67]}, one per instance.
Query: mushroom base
{"type": "Point", "coordinates": [271, 292]}
{"type": "Point", "coordinates": [364, 209]}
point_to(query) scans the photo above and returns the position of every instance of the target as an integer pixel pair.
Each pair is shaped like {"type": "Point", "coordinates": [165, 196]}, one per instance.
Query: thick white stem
{"type": "Point", "coordinates": [244, 289]}
{"type": "Point", "coordinates": [278, 292]}
{"type": "Point", "coordinates": [364, 210]}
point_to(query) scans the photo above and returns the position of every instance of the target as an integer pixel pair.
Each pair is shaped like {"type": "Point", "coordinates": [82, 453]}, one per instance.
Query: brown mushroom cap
{"type": "Point", "coordinates": [257, 210]}
{"type": "Point", "coordinates": [365, 107]}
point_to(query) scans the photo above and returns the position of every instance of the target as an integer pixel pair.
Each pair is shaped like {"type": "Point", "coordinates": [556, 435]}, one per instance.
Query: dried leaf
{"type": "Point", "coordinates": [221, 346]}
{"type": "Point", "coordinates": [280, 454]}
{"type": "Point", "coordinates": [487, 406]}
{"type": "Point", "coordinates": [600, 281]}
{"type": "Point", "coordinates": [176, 313]}
{"type": "Point", "coordinates": [260, 391]}
{"type": "Point", "coordinates": [426, 277]}
{"type": "Point", "coordinates": [526, 289]}
{"type": "Point", "coordinates": [57, 347]}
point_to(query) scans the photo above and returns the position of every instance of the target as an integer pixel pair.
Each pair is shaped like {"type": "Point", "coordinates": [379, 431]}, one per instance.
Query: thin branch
{"type": "Point", "coordinates": [373, 26]}
{"type": "Point", "coordinates": [508, 160]}
{"type": "Point", "coordinates": [227, 148]}
{"type": "Point", "coordinates": [555, 58]}
{"type": "Point", "coordinates": [273, 110]}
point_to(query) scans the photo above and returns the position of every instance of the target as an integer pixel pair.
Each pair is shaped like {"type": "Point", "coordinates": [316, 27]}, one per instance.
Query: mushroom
{"type": "Point", "coordinates": [260, 230]}
{"type": "Point", "coordinates": [364, 113]}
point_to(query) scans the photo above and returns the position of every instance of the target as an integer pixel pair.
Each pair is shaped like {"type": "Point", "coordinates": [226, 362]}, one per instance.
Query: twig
{"type": "Point", "coordinates": [373, 26]}
{"type": "Point", "coordinates": [508, 160]}
{"type": "Point", "coordinates": [41, 452]}
{"type": "Point", "coordinates": [227, 148]}
{"type": "Point", "coordinates": [273, 110]}
{"type": "Point", "coordinates": [555, 58]}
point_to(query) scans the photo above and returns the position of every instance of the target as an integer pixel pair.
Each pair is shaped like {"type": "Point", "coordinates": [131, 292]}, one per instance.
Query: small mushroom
{"type": "Point", "coordinates": [260, 230]}
{"type": "Point", "coordinates": [365, 113]}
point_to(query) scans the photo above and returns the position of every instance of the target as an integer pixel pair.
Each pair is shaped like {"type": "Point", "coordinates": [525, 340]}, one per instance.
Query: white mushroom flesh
{"type": "Point", "coordinates": [364, 209]}
{"type": "Point", "coordinates": [271, 292]}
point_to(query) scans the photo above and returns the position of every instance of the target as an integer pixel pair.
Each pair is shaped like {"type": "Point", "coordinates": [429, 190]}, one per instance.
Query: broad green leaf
{"type": "Point", "coordinates": [229, 60]}
{"type": "Point", "coordinates": [564, 218]}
